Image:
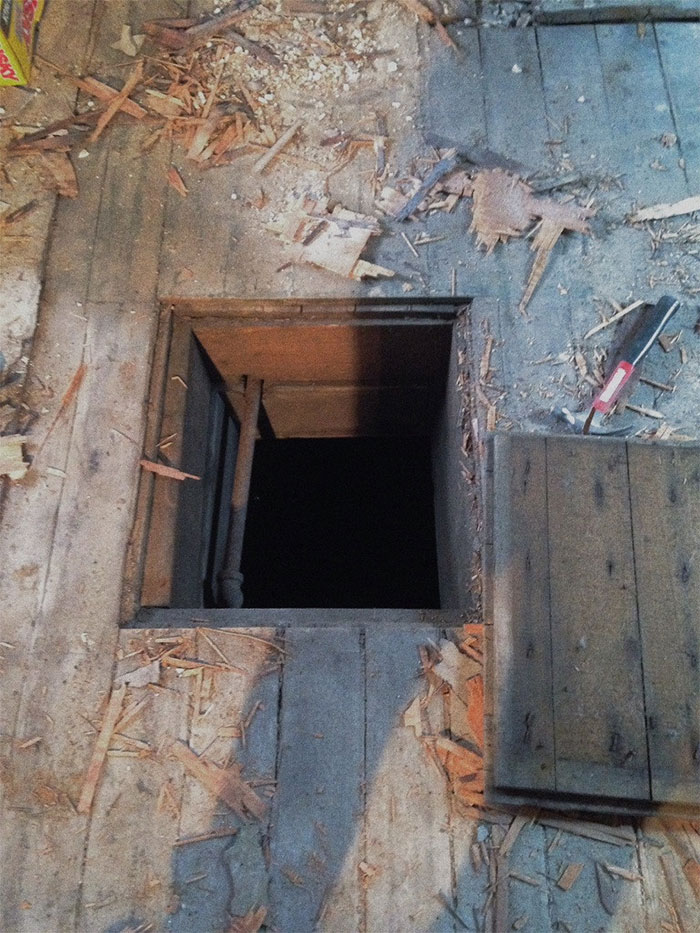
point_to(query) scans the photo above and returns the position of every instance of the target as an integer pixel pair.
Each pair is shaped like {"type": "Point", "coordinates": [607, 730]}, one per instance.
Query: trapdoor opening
{"type": "Point", "coordinates": [355, 489]}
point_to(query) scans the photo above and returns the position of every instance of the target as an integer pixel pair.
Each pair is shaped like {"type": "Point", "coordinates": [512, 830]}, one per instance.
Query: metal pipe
{"type": "Point", "coordinates": [231, 578]}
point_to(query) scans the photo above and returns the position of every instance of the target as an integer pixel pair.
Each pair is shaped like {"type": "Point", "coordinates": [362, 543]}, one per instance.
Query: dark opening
{"type": "Point", "coordinates": [341, 522]}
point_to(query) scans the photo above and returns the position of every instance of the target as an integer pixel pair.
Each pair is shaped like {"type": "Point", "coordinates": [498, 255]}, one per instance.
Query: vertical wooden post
{"type": "Point", "coordinates": [231, 578]}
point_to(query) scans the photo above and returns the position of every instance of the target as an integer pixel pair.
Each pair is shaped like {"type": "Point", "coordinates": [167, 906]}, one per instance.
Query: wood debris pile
{"type": "Point", "coordinates": [225, 86]}
{"type": "Point", "coordinates": [455, 699]}
{"type": "Point", "coordinates": [504, 206]}
{"type": "Point", "coordinates": [448, 719]}
{"type": "Point", "coordinates": [329, 240]}
{"type": "Point", "coordinates": [143, 674]}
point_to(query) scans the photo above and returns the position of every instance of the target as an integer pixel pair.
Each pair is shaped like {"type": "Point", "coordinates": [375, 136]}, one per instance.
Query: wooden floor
{"type": "Point", "coordinates": [359, 830]}
{"type": "Point", "coordinates": [595, 604]}
{"type": "Point", "coordinates": [103, 262]}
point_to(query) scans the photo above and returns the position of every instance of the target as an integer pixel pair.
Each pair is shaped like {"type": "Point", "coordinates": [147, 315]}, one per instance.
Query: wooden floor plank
{"type": "Point", "coordinates": [80, 604]}
{"type": "Point", "coordinates": [159, 558]}
{"type": "Point", "coordinates": [523, 735]}
{"type": "Point", "coordinates": [611, 11]}
{"type": "Point", "coordinates": [58, 354]}
{"type": "Point", "coordinates": [577, 110]}
{"type": "Point", "coordinates": [134, 819]}
{"type": "Point", "coordinates": [79, 608]}
{"type": "Point", "coordinates": [317, 812]}
{"type": "Point", "coordinates": [125, 256]}
{"type": "Point", "coordinates": [407, 804]}
{"type": "Point", "coordinates": [526, 864]}
{"type": "Point", "coordinates": [633, 73]}
{"type": "Point", "coordinates": [187, 260]}
{"type": "Point", "coordinates": [612, 265]}
{"type": "Point", "coordinates": [454, 113]}
{"type": "Point", "coordinates": [600, 735]}
{"type": "Point", "coordinates": [518, 127]}
{"type": "Point", "coordinates": [223, 886]}
{"type": "Point", "coordinates": [677, 44]}
{"type": "Point", "coordinates": [665, 491]}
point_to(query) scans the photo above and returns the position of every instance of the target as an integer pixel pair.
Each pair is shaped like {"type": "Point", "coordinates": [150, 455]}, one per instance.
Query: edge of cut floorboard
{"type": "Point", "coordinates": [586, 12]}
{"type": "Point", "coordinates": [283, 618]}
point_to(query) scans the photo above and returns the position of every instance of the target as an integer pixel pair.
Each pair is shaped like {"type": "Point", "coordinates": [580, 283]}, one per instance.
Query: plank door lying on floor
{"type": "Point", "coordinates": [596, 623]}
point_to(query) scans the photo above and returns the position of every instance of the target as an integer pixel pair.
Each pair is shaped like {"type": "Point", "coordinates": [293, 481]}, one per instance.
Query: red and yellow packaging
{"type": "Point", "coordinates": [18, 19]}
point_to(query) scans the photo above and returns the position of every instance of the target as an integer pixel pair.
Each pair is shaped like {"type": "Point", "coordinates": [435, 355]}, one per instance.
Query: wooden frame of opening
{"type": "Point", "coordinates": [187, 433]}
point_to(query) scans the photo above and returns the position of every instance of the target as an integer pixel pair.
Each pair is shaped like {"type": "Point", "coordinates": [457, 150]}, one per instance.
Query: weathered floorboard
{"type": "Point", "coordinates": [677, 44]}
{"type": "Point", "coordinates": [230, 872]}
{"type": "Point", "coordinates": [599, 712]}
{"type": "Point", "coordinates": [665, 491]}
{"type": "Point", "coordinates": [318, 805]}
{"type": "Point", "coordinates": [135, 810]}
{"type": "Point", "coordinates": [523, 735]}
{"type": "Point", "coordinates": [407, 801]}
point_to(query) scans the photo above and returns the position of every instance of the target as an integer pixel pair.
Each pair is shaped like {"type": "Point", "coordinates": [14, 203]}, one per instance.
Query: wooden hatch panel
{"type": "Point", "coordinates": [594, 597]}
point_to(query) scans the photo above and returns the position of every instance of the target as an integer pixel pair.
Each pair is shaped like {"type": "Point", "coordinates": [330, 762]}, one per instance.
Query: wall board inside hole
{"type": "Point", "coordinates": [332, 371]}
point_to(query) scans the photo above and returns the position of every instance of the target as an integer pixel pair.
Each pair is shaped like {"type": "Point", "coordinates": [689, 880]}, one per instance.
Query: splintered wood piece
{"type": "Point", "coordinates": [424, 13]}
{"type": "Point", "coordinates": [273, 151]}
{"type": "Point", "coordinates": [612, 835]}
{"type": "Point", "coordinates": [502, 207]}
{"type": "Point", "coordinates": [447, 164]}
{"type": "Point", "coordinates": [369, 270]}
{"type": "Point", "coordinates": [170, 472]}
{"type": "Point", "coordinates": [62, 173]}
{"type": "Point", "coordinates": [205, 837]}
{"type": "Point", "coordinates": [607, 889]}
{"type": "Point", "coordinates": [231, 135]}
{"type": "Point", "coordinates": [485, 364]}
{"type": "Point", "coordinates": [332, 241]}
{"type": "Point", "coordinates": [12, 462]}
{"type": "Point", "coordinates": [691, 870]}
{"type": "Point", "coordinates": [475, 707]}
{"type": "Point", "coordinates": [168, 37]}
{"type": "Point", "coordinates": [92, 777]}
{"type": "Point", "coordinates": [569, 876]}
{"type": "Point", "coordinates": [624, 873]}
{"type": "Point", "coordinates": [543, 244]}
{"type": "Point", "coordinates": [412, 718]}
{"type": "Point", "coordinates": [128, 43]}
{"type": "Point", "coordinates": [224, 783]}
{"type": "Point", "coordinates": [251, 923]}
{"type": "Point", "coordinates": [68, 397]}
{"type": "Point", "coordinates": [662, 211]}
{"type": "Point", "coordinates": [455, 668]}
{"type": "Point", "coordinates": [217, 25]}
{"type": "Point", "coordinates": [141, 676]}
{"type": "Point", "coordinates": [181, 35]}
{"type": "Point", "coordinates": [97, 89]}
{"type": "Point", "coordinates": [255, 638]}
{"type": "Point", "coordinates": [514, 830]}
{"type": "Point", "coordinates": [107, 94]}
{"type": "Point", "coordinates": [464, 763]}
{"type": "Point", "coordinates": [175, 181]}
{"type": "Point", "coordinates": [614, 319]}
{"type": "Point", "coordinates": [200, 141]}
{"type": "Point", "coordinates": [116, 105]}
